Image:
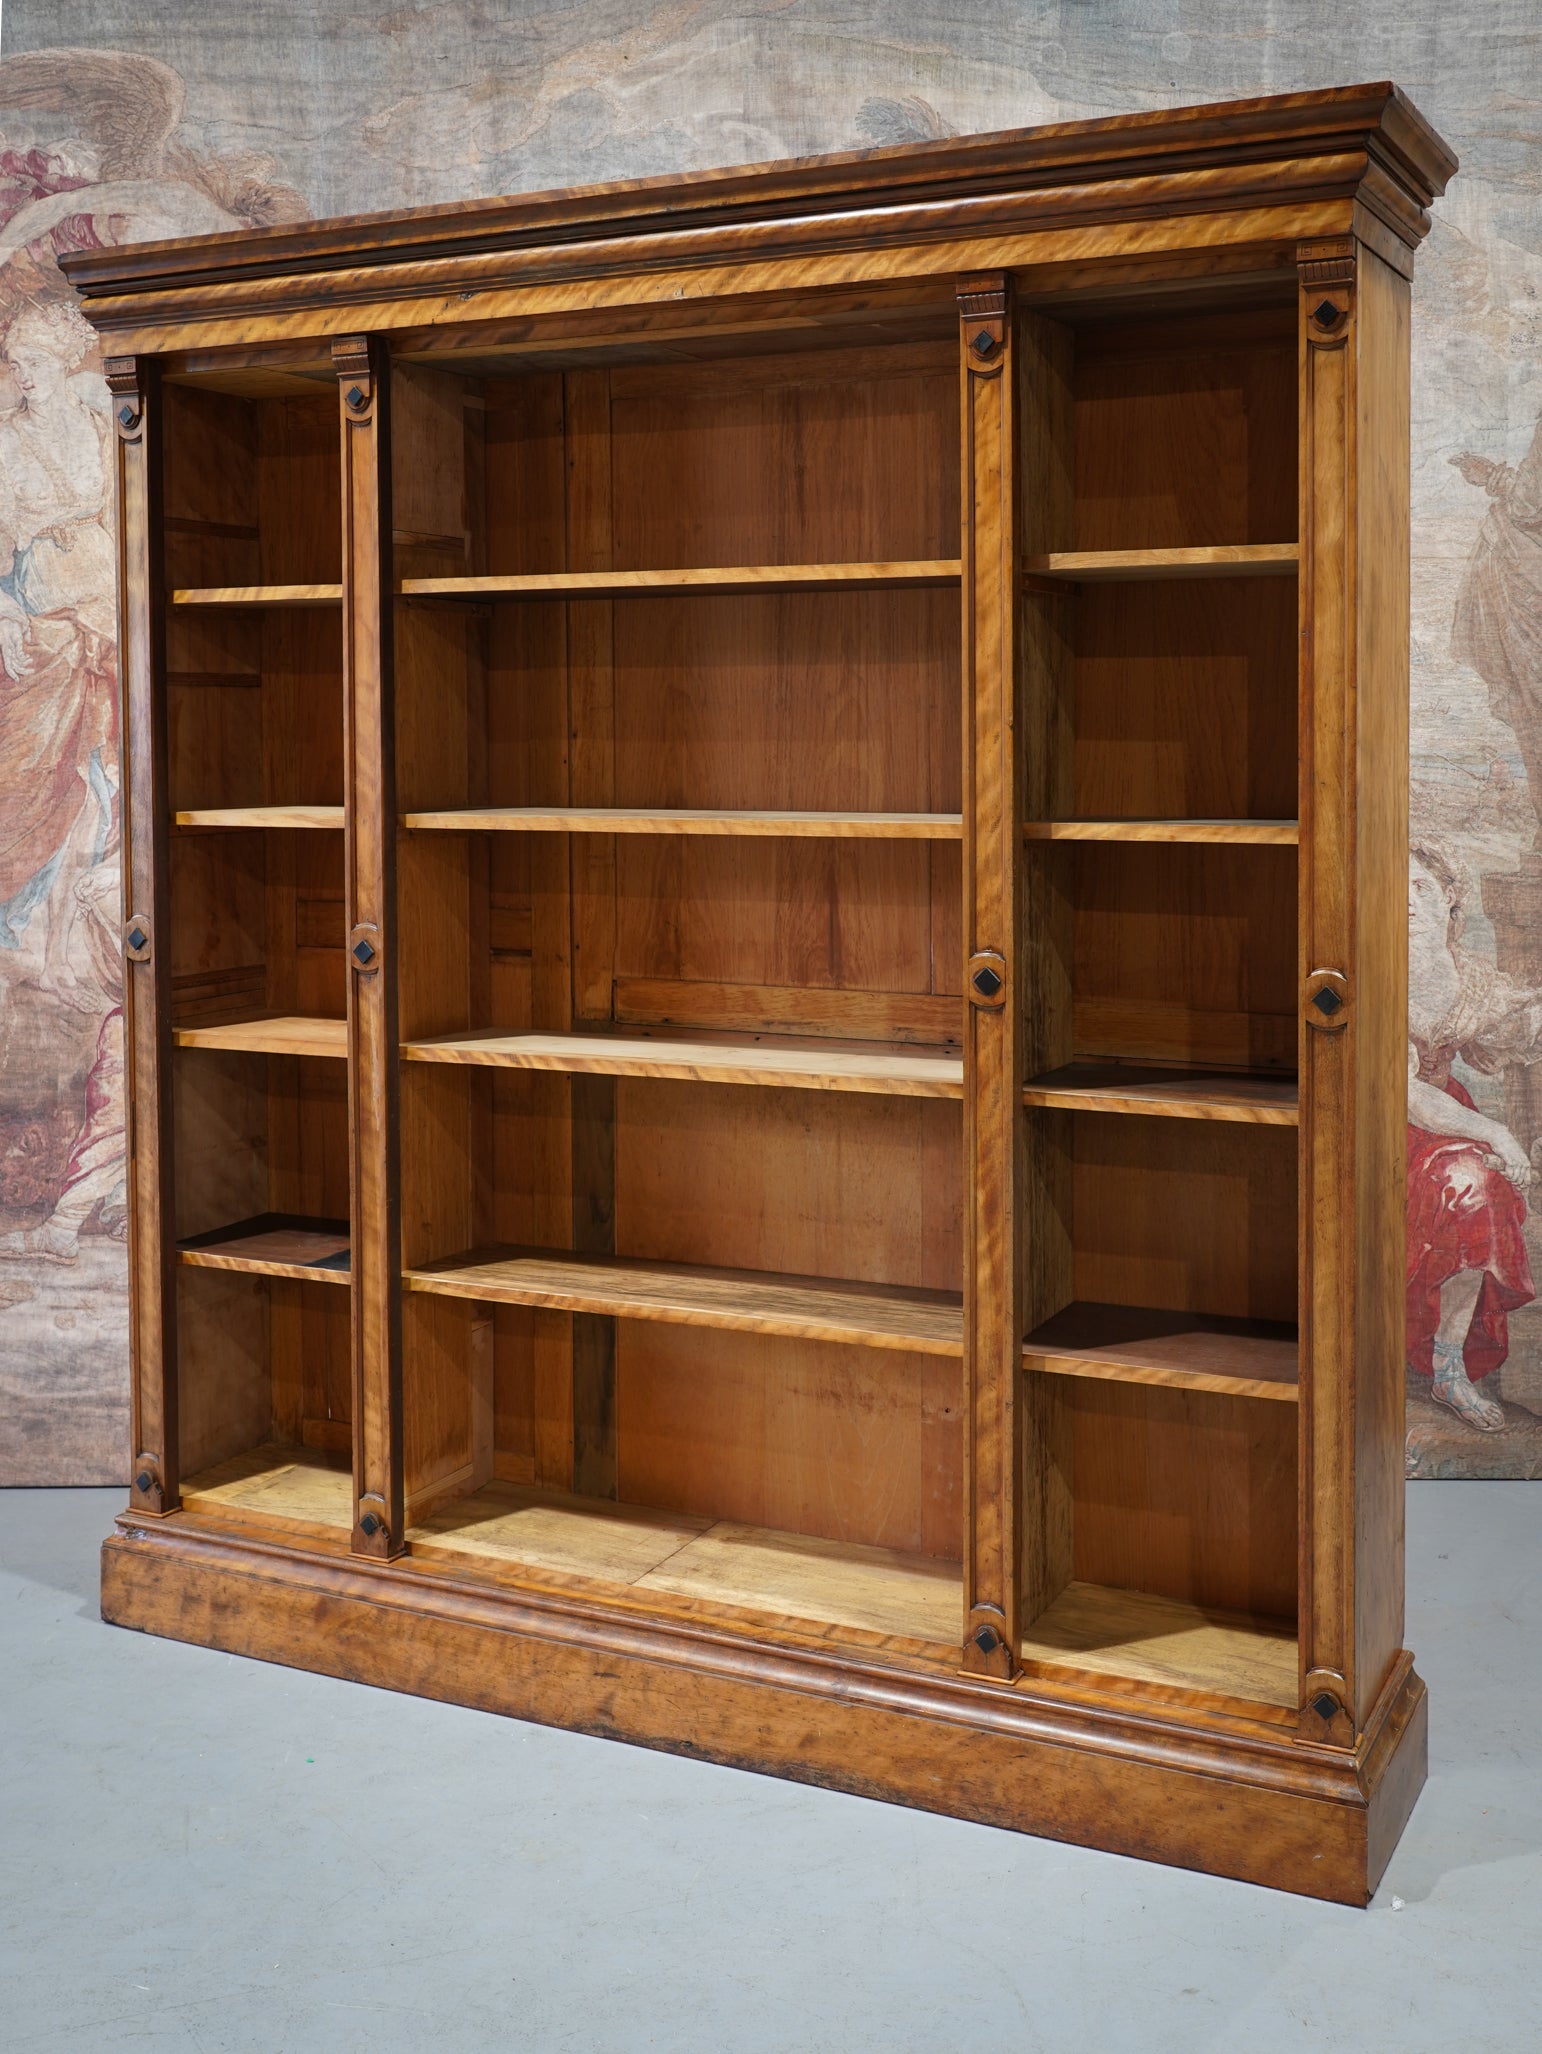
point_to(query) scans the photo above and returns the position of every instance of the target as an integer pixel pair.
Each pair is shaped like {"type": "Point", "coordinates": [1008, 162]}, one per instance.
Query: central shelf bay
{"type": "Point", "coordinates": [742, 578]}
{"type": "Point", "coordinates": [933, 827]}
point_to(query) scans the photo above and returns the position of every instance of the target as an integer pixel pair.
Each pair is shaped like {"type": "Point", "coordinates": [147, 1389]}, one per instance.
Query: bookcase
{"type": "Point", "coordinates": [764, 825]}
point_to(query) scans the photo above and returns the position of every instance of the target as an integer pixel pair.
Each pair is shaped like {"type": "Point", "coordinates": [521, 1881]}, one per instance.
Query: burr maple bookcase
{"type": "Point", "coordinates": [764, 845]}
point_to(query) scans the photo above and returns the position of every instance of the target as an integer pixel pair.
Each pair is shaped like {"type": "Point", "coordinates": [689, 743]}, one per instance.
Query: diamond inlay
{"type": "Point", "coordinates": [986, 982]}
{"type": "Point", "coordinates": [1328, 1002]}
{"type": "Point", "coordinates": [363, 952]}
{"type": "Point", "coordinates": [1325, 1705]}
{"type": "Point", "coordinates": [1325, 313]}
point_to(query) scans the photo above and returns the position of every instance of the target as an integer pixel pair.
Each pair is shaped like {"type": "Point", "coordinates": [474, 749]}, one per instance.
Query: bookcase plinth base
{"type": "Point", "coordinates": [1309, 1820]}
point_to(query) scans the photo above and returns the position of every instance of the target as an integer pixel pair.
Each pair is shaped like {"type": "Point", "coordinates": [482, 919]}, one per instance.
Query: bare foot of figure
{"type": "Point", "coordinates": [1453, 1388]}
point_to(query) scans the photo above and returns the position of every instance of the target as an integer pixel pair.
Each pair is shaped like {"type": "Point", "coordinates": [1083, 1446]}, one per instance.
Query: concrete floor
{"type": "Point", "coordinates": [199, 1852]}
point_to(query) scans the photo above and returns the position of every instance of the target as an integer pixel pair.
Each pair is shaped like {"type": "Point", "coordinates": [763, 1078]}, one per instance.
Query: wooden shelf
{"type": "Point", "coordinates": [276, 1034]}
{"type": "Point", "coordinates": [1144, 1639]}
{"type": "Point", "coordinates": [746, 1301]}
{"type": "Point", "coordinates": [1188, 1351]}
{"type": "Point", "coordinates": [1264, 833]}
{"type": "Point", "coordinates": [932, 827]}
{"type": "Point", "coordinates": [748, 1568]}
{"type": "Point", "coordinates": [726, 1059]}
{"type": "Point", "coordinates": [274, 1245]}
{"type": "Point", "coordinates": [1268, 1100]}
{"type": "Point", "coordinates": [258, 595]}
{"type": "Point", "coordinates": [301, 1486]}
{"type": "Point", "coordinates": [260, 816]}
{"type": "Point", "coordinates": [1103, 566]}
{"type": "Point", "coordinates": [743, 578]}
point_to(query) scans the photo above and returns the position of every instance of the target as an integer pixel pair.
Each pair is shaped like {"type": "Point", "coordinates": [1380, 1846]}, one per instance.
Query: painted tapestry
{"type": "Point", "coordinates": [120, 123]}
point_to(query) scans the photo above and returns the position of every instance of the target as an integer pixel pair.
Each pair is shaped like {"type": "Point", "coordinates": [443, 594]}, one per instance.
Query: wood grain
{"type": "Point", "coordinates": [272, 1034]}
{"type": "Point", "coordinates": [935, 827]}
{"type": "Point", "coordinates": [275, 1245]}
{"type": "Point", "coordinates": [1240, 833]}
{"type": "Point", "coordinates": [1185, 1350]}
{"type": "Point", "coordinates": [722, 1061]}
{"type": "Point", "coordinates": [257, 595]}
{"type": "Point", "coordinates": [724, 579]}
{"type": "Point", "coordinates": [231, 817]}
{"type": "Point", "coordinates": [1232, 560]}
{"type": "Point", "coordinates": [1158, 1640]}
{"type": "Point", "coordinates": [282, 1484]}
{"type": "Point", "coordinates": [1169, 1093]}
{"type": "Point", "coordinates": [810, 1308]}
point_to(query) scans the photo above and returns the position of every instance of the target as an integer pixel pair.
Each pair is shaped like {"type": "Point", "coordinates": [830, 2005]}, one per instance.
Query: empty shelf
{"type": "Point", "coordinates": [811, 1308]}
{"type": "Point", "coordinates": [1136, 1344]}
{"type": "Point", "coordinates": [776, 577]}
{"type": "Point", "coordinates": [1232, 560]}
{"type": "Point", "coordinates": [1262, 1099]}
{"type": "Point", "coordinates": [274, 1245]}
{"type": "Point", "coordinates": [746, 1568]}
{"type": "Point", "coordinates": [807, 1066]}
{"type": "Point", "coordinates": [260, 816]}
{"type": "Point", "coordinates": [1145, 1639]}
{"type": "Point", "coordinates": [302, 1485]}
{"type": "Point", "coordinates": [934, 827]}
{"type": "Point", "coordinates": [258, 595]}
{"type": "Point", "coordinates": [1247, 833]}
{"type": "Point", "coordinates": [278, 1034]}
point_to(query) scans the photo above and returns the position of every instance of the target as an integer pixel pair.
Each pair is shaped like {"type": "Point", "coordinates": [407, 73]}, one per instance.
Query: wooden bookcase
{"type": "Point", "coordinates": [764, 833]}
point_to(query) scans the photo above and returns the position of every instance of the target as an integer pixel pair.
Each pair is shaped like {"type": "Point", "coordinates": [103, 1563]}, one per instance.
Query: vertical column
{"type": "Point", "coordinates": [993, 1031]}
{"type": "Point", "coordinates": [1353, 974]}
{"type": "Point", "coordinates": [369, 721]}
{"type": "Point", "coordinates": [134, 383]}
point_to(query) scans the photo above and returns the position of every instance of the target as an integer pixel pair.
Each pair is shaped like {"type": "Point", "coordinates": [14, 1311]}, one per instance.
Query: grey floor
{"type": "Point", "coordinates": [199, 1852]}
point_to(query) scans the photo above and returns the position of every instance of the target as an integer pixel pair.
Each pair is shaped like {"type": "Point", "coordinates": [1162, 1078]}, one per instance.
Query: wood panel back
{"type": "Point", "coordinates": [1185, 701]}
{"type": "Point", "coordinates": [1185, 1494]}
{"type": "Point", "coordinates": [1183, 952]}
{"type": "Point", "coordinates": [1186, 1215]}
{"type": "Point", "coordinates": [851, 1444]}
{"type": "Point", "coordinates": [1186, 431]}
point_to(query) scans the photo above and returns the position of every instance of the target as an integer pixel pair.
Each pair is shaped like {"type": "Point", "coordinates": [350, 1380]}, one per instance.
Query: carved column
{"type": "Point", "coordinates": [369, 719]}
{"type": "Point", "coordinates": [144, 801]}
{"type": "Point", "coordinates": [993, 1030]}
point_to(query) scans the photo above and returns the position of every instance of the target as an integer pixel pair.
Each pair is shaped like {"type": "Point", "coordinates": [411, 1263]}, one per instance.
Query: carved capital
{"type": "Point", "coordinates": [1328, 261]}
{"type": "Point", "coordinates": [125, 382]}
{"type": "Point", "coordinates": [984, 299]}
{"type": "Point", "coordinates": [353, 359]}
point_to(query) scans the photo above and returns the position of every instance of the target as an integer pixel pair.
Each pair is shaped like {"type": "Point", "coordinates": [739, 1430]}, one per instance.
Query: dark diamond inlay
{"type": "Point", "coordinates": [987, 1640]}
{"type": "Point", "coordinates": [1325, 313]}
{"type": "Point", "coordinates": [986, 982]}
{"type": "Point", "coordinates": [370, 1525]}
{"type": "Point", "coordinates": [126, 415]}
{"type": "Point", "coordinates": [1325, 1705]}
{"type": "Point", "coordinates": [363, 952]}
{"type": "Point", "coordinates": [137, 938]}
{"type": "Point", "coordinates": [355, 396]}
{"type": "Point", "coordinates": [143, 1481]}
{"type": "Point", "coordinates": [1327, 1001]}
{"type": "Point", "coordinates": [984, 343]}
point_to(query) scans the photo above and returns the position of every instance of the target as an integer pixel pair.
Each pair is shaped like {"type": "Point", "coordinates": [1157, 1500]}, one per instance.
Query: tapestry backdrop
{"type": "Point", "coordinates": [120, 123]}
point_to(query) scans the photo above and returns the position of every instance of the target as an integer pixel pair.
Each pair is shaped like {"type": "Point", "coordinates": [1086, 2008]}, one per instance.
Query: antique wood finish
{"type": "Point", "coordinates": [372, 944]}
{"type": "Point", "coordinates": [135, 388]}
{"type": "Point", "coordinates": [765, 1108]}
{"type": "Point", "coordinates": [994, 791]}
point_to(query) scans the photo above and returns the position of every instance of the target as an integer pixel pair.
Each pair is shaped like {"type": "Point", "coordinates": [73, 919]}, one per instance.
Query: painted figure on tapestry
{"type": "Point", "coordinates": [1468, 1176]}
{"type": "Point", "coordinates": [1498, 625]}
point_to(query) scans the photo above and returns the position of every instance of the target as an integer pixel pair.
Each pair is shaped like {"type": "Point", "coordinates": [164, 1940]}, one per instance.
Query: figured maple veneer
{"type": "Point", "coordinates": [1145, 1639]}
{"type": "Point", "coordinates": [663, 584]}
{"type": "Point", "coordinates": [1119, 566]}
{"type": "Point", "coordinates": [1138, 1344]}
{"type": "Point", "coordinates": [1170, 1092]}
{"type": "Point", "coordinates": [808, 1308]}
{"type": "Point", "coordinates": [1242, 833]}
{"type": "Point", "coordinates": [271, 1034]}
{"type": "Point", "coordinates": [811, 1067]}
{"type": "Point", "coordinates": [748, 776]}
{"type": "Point", "coordinates": [278, 1483]}
{"type": "Point", "coordinates": [879, 1591]}
{"type": "Point", "coordinates": [929, 827]}
{"type": "Point", "coordinates": [233, 817]}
